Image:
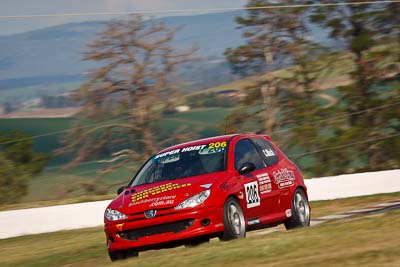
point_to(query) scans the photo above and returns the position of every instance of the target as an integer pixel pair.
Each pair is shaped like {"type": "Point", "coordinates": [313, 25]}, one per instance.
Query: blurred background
{"type": "Point", "coordinates": [89, 90]}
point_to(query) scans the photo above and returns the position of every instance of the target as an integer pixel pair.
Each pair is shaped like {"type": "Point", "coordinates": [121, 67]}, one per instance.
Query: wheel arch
{"type": "Point", "coordinates": [234, 196]}
{"type": "Point", "coordinates": [238, 199]}
{"type": "Point", "coordinates": [304, 189]}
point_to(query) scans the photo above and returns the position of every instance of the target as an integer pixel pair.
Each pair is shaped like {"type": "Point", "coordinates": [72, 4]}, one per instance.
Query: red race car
{"type": "Point", "coordinates": [216, 187]}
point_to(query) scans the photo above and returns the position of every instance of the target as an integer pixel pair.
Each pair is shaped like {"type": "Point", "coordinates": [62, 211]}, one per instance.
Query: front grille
{"type": "Point", "coordinates": [174, 227]}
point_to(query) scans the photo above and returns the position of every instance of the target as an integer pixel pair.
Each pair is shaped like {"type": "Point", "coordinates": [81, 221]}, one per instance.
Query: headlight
{"type": "Point", "coordinates": [194, 200]}
{"type": "Point", "coordinates": [114, 215]}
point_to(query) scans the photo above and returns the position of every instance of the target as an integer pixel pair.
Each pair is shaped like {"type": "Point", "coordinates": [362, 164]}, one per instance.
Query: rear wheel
{"type": "Point", "coordinates": [122, 254]}
{"type": "Point", "coordinates": [300, 211]}
{"type": "Point", "coordinates": [234, 222]}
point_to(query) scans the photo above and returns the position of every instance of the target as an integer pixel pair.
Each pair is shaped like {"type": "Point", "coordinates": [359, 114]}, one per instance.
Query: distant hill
{"type": "Point", "coordinates": [54, 54]}
{"type": "Point", "coordinates": [49, 60]}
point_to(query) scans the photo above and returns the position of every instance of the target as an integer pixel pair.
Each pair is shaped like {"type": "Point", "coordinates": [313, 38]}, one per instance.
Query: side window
{"type": "Point", "coordinates": [269, 153]}
{"type": "Point", "coordinates": [245, 151]}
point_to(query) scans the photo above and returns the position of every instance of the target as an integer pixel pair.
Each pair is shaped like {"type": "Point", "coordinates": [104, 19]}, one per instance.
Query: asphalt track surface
{"type": "Point", "coordinates": [371, 210]}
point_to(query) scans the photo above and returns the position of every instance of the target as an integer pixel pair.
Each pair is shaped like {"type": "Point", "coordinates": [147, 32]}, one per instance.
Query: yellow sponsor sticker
{"type": "Point", "coordinates": [157, 190]}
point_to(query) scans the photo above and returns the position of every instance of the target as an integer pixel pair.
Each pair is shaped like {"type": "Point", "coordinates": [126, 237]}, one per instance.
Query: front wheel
{"type": "Point", "coordinates": [300, 211]}
{"type": "Point", "coordinates": [234, 222]}
{"type": "Point", "coordinates": [122, 254]}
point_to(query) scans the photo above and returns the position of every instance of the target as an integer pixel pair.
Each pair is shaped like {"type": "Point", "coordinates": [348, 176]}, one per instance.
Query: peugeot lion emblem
{"type": "Point", "coordinates": [150, 213]}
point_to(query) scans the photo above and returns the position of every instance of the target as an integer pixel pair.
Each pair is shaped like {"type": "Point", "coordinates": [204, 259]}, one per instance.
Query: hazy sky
{"type": "Point", "coordinates": [30, 7]}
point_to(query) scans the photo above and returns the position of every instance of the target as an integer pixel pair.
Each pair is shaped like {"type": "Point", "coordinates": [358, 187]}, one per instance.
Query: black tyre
{"type": "Point", "coordinates": [234, 221]}
{"type": "Point", "coordinates": [300, 211]}
{"type": "Point", "coordinates": [122, 254]}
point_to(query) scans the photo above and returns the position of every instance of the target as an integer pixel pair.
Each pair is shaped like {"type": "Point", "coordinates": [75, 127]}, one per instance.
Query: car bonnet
{"type": "Point", "coordinates": [163, 195]}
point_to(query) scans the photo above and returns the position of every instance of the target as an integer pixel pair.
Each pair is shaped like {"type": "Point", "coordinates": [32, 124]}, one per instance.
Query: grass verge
{"type": "Point", "coordinates": [367, 241]}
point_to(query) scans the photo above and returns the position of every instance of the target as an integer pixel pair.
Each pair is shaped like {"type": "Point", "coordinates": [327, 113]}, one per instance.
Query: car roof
{"type": "Point", "coordinates": [209, 140]}
{"type": "Point", "coordinates": [199, 141]}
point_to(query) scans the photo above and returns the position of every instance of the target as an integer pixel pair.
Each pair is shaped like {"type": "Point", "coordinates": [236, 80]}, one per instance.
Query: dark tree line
{"type": "Point", "coordinates": [18, 164]}
{"type": "Point", "coordinates": [289, 104]}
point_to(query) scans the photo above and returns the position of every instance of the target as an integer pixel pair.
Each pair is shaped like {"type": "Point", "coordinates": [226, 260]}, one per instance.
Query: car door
{"type": "Point", "coordinates": [246, 152]}
{"type": "Point", "coordinates": [270, 192]}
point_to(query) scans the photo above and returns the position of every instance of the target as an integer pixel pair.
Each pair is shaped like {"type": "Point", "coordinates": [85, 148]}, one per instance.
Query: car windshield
{"type": "Point", "coordinates": [183, 162]}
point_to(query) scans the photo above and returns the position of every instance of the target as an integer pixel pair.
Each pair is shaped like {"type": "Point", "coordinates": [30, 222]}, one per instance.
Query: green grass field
{"type": "Point", "coordinates": [53, 182]}
{"type": "Point", "coordinates": [38, 126]}
{"type": "Point", "coordinates": [365, 241]}
{"type": "Point", "coordinates": [205, 122]}
{"type": "Point", "coordinates": [203, 119]}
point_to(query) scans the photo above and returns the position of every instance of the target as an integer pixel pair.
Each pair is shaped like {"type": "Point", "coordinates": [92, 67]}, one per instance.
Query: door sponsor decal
{"type": "Point", "coordinates": [252, 196]}
{"type": "Point", "coordinates": [265, 183]}
{"type": "Point", "coordinates": [284, 178]}
{"type": "Point", "coordinates": [268, 152]}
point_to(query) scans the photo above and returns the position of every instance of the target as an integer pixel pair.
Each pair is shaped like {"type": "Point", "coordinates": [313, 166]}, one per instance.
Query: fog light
{"type": "Point", "coordinates": [205, 222]}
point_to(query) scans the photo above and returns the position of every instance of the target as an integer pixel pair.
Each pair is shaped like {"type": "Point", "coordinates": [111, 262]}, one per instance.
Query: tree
{"type": "Point", "coordinates": [370, 34]}
{"type": "Point", "coordinates": [18, 163]}
{"type": "Point", "coordinates": [365, 118]}
{"type": "Point", "coordinates": [281, 99]}
{"type": "Point", "coordinates": [124, 95]}
{"type": "Point", "coordinates": [13, 183]}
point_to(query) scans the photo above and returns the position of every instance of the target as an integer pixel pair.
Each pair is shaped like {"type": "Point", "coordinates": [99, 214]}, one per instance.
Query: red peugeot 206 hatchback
{"type": "Point", "coordinates": [216, 187]}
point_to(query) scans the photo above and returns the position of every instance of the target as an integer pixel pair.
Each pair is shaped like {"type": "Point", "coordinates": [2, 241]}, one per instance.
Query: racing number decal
{"type": "Point", "coordinates": [215, 147]}
{"type": "Point", "coordinates": [252, 196]}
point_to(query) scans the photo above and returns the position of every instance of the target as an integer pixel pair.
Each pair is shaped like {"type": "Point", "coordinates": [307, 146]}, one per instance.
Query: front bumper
{"type": "Point", "coordinates": [139, 233]}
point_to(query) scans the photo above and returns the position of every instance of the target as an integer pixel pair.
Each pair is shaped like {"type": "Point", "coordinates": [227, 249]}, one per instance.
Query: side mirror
{"type": "Point", "coordinates": [247, 167]}
{"type": "Point", "coordinates": [119, 191]}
